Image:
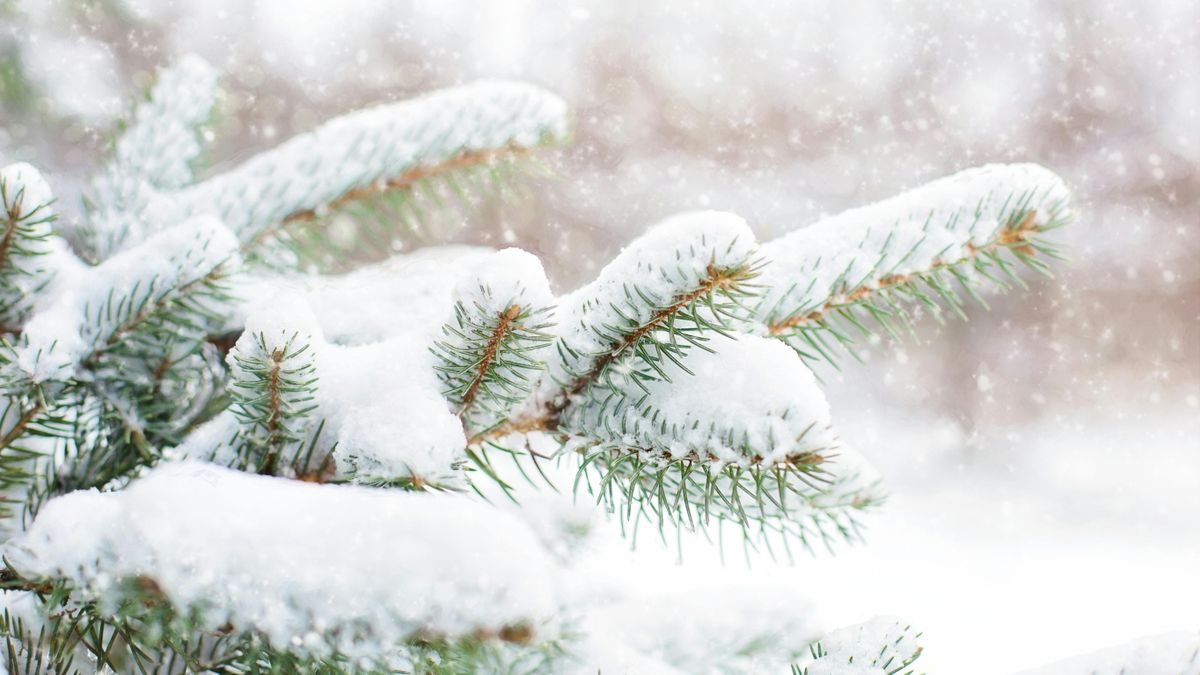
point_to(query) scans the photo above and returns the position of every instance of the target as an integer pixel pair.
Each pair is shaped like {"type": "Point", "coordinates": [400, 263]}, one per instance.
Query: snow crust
{"type": "Point", "coordinates": [313, 567]}
{"type": "Point", "coordinates": [376, 144]}
{"type": "Point", "coordinates": [911, 232]}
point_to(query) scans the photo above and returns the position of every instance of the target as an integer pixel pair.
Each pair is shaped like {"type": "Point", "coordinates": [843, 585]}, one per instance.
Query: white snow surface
{"type": "Point", "coordinates": [360, 148]}
{"type": "Point", "coordinates": [508, 276]}
{"type": "Point", "coordinates": [366, 568]}
{"type": "Point", "coordinates": [1168, 653]}
{"type": "Point", "coordinates": [908, 233]}
{"type": "Point", "coordinates": [741, 629]}
{"type": "Point", "coordinates": [383, 404]}
{"type": "Point", "coordinates": [671, 258]}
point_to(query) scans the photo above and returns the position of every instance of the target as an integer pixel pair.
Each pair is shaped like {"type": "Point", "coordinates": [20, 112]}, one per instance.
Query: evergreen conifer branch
{"type": "Point", "coordinates": [25, 232]}
{"type": "Point", "coordinates": [487, 359]}
{"type": "Point", "coordinates": [676, 389]}
{"type": "Point", "coordinates": [848, 277]}
{"type": "Point", "coordinates": [153, 154]}
{"type": "Point", "coordinates": [366, 220]}
{"type": "Point", "coordinates": [758, 457]}
{"type": "Point", "coordinates": [792, 500]}
{"type": "Point", "coordinates": [147, 597]}
{"type": "Point", "coordinates": [714, 305]}
{"type": "Point", "coordinates": [143, 632]}
{"type": "Point", "coordinates": [368, 152]}
{"type": "Point", "coordinates": [273, 393]}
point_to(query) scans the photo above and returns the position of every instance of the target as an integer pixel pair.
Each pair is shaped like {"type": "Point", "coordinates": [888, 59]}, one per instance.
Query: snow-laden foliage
{"type": "Point", "coordinates": [377, 150]}
{"type": "Point", "coordinates": [26, 214]}
{"type": "Point", "coordinates": [859, 270]}
{"type": "Point", "coordinates": [881, 646]}
{"type": "Point", "coordinates": [154, 154]}
{"type": "Point", "coordinates": [294, 561]}
{"type": "Point", "coordinates": [675, 390]}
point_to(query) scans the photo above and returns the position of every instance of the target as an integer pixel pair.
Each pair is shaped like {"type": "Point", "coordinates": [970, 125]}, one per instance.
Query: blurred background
{"type": "Point", "coordinates": [1043, 458]}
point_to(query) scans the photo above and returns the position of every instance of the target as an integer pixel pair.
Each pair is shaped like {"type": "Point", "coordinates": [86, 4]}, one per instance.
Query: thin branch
{"type": "Point", "coordinates": [503, 328]}
{"type": "Point", "coordinates": [23, 422]}
{"type": "Point", "coordinates": [10, 233]}
{"type": "Point", "coordinates": [11, 581]}
{"type": "Point", "coordinates": [524, 425]}
{"type": "Point", "coordinates": [274, 412]}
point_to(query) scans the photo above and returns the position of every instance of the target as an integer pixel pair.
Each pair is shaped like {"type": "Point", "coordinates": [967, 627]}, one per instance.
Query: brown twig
{"type": "Point", "coordinates": [274, 411]}
{"type": "Point", "coordinates": [503, 328]}
{"type": "Point", "coordinates": [19, 428]}
{"type": "Point", "coordinates": [11, 581]}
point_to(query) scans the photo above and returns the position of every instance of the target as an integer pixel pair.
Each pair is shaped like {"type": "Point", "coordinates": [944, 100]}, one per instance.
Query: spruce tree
{"type": "Point", "coordinates": [214, 460]}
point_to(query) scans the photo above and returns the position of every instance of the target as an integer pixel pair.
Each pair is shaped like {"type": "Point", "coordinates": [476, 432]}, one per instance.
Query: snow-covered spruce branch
{"type": "Point", "coordinates": [273, 384]}
{"type": "Point", "coordinates": [154, 153]}
{"type": "Point", "coordinates": [383, 152]}
{"type": "Point", "coordinates": [867, 267]}
{"type": "Point", "coordinates": [229, 550]}
{"type": "Point", "coordinates": [25, 242]}
{"type": "Point", "coordinates": [673, 389]}
{"type": "Point", "coordinates": [487, 356]}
